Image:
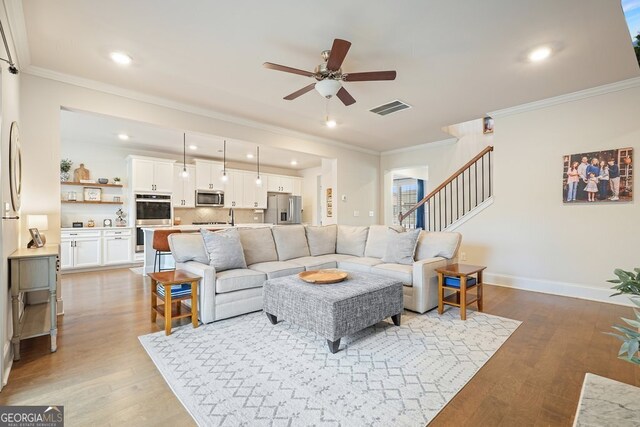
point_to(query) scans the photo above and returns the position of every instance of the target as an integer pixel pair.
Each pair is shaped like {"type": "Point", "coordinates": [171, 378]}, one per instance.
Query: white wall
{"type": "Point", "coordinates": [310, 195]}
{"type": "Point", "coordinates": [528, 238]}
{"type": "Point", "coordinates": [42, 98]}
{"type": "Point", "coordinates": [10, 106]}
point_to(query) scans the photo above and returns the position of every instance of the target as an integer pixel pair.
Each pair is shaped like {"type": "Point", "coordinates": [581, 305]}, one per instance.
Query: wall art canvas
{"type": "Point", "coordinates": [604, 176]}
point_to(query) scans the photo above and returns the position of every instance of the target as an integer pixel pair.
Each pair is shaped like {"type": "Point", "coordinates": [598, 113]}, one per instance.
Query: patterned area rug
{"type": "Point", "coordinates": [245, 371]}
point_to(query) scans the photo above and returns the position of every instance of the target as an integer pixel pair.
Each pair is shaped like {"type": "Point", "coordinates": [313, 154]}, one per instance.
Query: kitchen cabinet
{"type": "Point", "coordinates": [184, 189]}
{"type": "Point", "coordinates": [297, 187]}
{"type": "Point", "coordinates": [209, 175]}
{"type": "Point", "coordinates": [254, 196]}
{"type": "Point", "coordinates": [81, 249]}
{"type": "Point", "coordinates": [117, 247]}
{"type": "Point", "coordinates": [280, 184]}
{"type": "Point", "coordinates": [234, 189]}
{"type": "Point", "coordinates": [151, 175]}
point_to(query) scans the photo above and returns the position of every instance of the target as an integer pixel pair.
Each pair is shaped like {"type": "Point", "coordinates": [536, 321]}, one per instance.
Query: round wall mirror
{"type": "Point", "coordinates": [15, 166]}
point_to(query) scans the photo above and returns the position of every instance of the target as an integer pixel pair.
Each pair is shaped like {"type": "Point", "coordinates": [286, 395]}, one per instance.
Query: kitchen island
{"type": "Point", "coordinates": [167, 261]}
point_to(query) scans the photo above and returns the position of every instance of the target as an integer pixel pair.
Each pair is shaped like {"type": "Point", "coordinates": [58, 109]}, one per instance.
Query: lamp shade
{"type": "Point", "coordinates": [41, 222]}
{"type": "Point", "coordinates": [328, 87]}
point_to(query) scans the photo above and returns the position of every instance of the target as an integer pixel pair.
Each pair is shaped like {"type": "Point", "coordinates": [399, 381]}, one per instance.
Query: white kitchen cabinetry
{"type": "Point", "coordinates": [151, 175]}
{"type": "Point", "coordinates": [94, 248]}
{"type": "Point", "coordinates": [209, 175]}
{"type": "Point", "coordinates": [184, 189]}
{"type": "Point", "coordinates": [254, 196]}
{"type": "Point", "coordinates": [117, 245]}
{"type": "Point", "coordinates": [81, 249]}
{"type": "Point", "coordinates": [280, 184]}
{"type": "Point", "coordinates": [234, 189]}
{"type": "Point", "coordinates": [297, 186]}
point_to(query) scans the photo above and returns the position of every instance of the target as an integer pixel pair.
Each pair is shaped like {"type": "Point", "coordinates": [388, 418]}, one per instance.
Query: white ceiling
{"type": "Point", "coordinates": [455, 60]}
{"type": "Point", "coordinates": [98, 129]}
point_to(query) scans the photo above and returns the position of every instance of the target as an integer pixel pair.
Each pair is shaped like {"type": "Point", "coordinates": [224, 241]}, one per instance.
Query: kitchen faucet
{"type": "Point", "coordinates": [232, 217]}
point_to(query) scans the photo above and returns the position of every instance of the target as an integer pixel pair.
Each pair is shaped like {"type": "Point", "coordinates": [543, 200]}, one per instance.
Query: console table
{"type": "Point", "coordinates": [33, 270]}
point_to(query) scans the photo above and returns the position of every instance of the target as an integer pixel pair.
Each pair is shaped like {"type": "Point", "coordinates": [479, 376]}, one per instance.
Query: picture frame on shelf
{"type": "Point", "coordinates": [92, 194]}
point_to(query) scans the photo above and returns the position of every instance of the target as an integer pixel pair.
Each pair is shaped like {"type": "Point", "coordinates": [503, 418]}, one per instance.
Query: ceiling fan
{"type": "Point", "coordinates": [329, 75]}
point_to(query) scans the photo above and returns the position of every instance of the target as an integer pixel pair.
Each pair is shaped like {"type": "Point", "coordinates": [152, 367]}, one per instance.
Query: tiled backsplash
{"type": "Point", "coordinates": [242, 216]}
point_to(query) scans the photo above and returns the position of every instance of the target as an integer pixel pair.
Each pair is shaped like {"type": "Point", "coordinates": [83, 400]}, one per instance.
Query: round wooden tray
{"type": "Point", "coordinates": [323, 277]}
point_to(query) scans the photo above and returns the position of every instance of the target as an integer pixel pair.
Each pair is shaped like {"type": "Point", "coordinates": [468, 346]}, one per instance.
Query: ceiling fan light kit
{"type": "Point", "coordinates": [329, 74]}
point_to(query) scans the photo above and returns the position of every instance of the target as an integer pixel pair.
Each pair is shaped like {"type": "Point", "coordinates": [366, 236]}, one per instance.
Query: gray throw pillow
{"type": "Point", "coordinates": [401, 246]}
{"type": "Point", "coordinates": [187, 247]}
{"type": "Point", "coordinates": [224, 248]}
{"type": "Point", "coordinates": [322, 240]}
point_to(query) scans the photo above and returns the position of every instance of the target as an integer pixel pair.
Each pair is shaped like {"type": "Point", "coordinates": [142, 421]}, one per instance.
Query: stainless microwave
{"type": "Point", "coordinates": [213, 198]}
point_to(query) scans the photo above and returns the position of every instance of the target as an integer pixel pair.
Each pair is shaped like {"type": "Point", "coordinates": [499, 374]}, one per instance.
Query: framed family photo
{"type": "Point", "coordinates": [598, 176]}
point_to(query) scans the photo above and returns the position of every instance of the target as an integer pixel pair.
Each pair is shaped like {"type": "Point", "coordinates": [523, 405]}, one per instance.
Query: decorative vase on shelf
{"type": "Point", "coordinates": [65, 176]}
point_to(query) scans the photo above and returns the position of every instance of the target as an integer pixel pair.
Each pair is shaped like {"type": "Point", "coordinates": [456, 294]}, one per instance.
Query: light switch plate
{"type": "Point", "coordinates": [356, 213]}
{"type": "Point", "coordinates": [370, 213]}
{"type": "Point", "coordinates": [343, 197]}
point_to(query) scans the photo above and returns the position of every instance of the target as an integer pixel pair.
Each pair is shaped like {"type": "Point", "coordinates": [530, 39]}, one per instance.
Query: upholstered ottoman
{"type": "Point", "coordinates": [336, 310]}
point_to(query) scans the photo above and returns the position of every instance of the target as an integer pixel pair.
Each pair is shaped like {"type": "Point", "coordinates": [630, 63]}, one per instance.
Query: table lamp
{"type": "Point", "coordinates": [40, 223]}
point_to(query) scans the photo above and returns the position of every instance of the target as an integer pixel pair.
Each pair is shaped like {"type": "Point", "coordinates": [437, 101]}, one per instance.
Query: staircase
{"type": "Point", "coordinates": [459, 197]}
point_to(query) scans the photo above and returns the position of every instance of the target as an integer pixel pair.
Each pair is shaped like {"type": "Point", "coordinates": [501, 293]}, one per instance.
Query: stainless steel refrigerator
{"type": "Point", "coordinates": [283, 209]}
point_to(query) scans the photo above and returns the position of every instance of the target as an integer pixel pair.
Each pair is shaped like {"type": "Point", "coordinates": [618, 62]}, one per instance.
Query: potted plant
{"type": "Point", "coordinates": [116, 180]}
{"type": "Point", "coordinates": [628, 283]}
{"type": "Point", "coordinates": [65, 167]}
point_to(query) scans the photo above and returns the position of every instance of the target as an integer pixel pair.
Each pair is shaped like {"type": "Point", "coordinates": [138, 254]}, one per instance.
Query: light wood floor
{"type": "Point", "coordinates": [103, 376]}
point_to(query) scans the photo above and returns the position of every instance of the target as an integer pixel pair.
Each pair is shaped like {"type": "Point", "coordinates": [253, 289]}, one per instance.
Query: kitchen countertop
{"type": "Point", "coordinates": [94, 228]}
{"type": "Point", "coordinates": [191, 227]}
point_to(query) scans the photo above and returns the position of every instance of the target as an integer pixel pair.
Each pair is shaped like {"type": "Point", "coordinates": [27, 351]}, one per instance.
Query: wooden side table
{"type": "Point", "coordinates": [175, 309]}
{"type": "Point", "coordinates": [464, 275]}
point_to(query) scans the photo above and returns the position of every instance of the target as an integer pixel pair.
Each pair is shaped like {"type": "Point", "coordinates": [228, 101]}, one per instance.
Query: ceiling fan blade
{"type": "Point", "coordinates": [369, 76]}
{"type": "Point", "coordinates": [338, 52]}
{"type": "Point", "coordinates": [345, 97]}
{"type": "Point", "coordinates": [302, 91]}
{"type": "Point", "coordinates": [277, 67]}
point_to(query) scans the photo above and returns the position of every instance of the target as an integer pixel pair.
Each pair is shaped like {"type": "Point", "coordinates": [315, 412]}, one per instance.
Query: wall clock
{"type": "Point", "coordinates": [15, 166]}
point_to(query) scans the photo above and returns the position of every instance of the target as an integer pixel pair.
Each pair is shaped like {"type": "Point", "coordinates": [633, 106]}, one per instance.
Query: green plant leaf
{"type": "Point", "coordinates": [623, 348]}
{"type": "Point", "coordinates": [614, 281]}
{"type": "Point", "coordinates": [634, 323]}
{"type": "Point", "coordinates": [630, 333]}
{"type": "Point", "coordinates": [633, 348]}
{"type": "Point", "coordinates": [620, 337]}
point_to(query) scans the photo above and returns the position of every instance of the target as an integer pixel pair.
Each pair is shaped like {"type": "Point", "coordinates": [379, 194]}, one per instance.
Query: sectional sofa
{"type": "Point", "coordinates": [286, 250]}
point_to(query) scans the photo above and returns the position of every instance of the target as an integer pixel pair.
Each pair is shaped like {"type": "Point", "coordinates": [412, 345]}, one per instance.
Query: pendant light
{"type": "Point", "coordinates": [184, 173]}
{"type": "Point", "coordinates": [258, 179]}
{"type": "Point", "coordinates": [224, 177]}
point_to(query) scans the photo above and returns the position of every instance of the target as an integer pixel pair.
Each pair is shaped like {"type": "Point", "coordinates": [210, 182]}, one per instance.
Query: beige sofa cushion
{"type": "Point", "coordinates": [291, 241]}
{"type": "Point", "coordinates": [187, 247]}
{"type": "Point", "coordinates": [435, 244]}
{"type": "Point", "coordinates": [277, 269]}
{"type": "Point", "coordinates": [258, 245]}
{"type": "Point", "coordinates": [377, 240]}
{"type": "Point", "coordinates": [401, 272]}
{"type": "Point", "coordinates": [359, 264]}
{"type": "Point", "coordinates": [351, 240]}
{"type": "Point", "coordinates": [238, 279]}
{"type": "Point", "coordinates": [314, 262]}
{"type": "Point", "coordinates": [322, 240]}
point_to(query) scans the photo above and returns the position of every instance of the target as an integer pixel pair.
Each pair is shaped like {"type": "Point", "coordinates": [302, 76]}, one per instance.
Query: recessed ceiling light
{"type": "Point", "coordinates": [294, 162]}
{"type": "Point", "coordinates": [331, 123]}
{"type": "Point", "coordinates": [193, 147]}
{"type": "Point", "coordinates": [250, 156]}
{"type": "Point", "coordinates": [120, 58]}
{"type": "Point", "coordinates": [123, 136]}
{"type": "Point", "coordinates": [539, 54]}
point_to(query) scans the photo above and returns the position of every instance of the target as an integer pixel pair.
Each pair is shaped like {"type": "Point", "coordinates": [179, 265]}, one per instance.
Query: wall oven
{"type": "Point", "coordinates": [151, 209]}
{"type": "Point", "coordinates": [214, 198]}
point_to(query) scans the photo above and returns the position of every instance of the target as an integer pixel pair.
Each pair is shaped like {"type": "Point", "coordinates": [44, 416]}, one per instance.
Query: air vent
{"type": "Point", "coordinates": [390, 107]}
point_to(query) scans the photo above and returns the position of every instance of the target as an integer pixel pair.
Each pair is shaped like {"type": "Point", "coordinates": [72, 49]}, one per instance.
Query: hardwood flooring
{"type": "Point", "coordinates": [103, 376]}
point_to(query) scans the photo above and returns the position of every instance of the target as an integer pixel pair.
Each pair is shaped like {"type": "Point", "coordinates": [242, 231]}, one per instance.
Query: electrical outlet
{"type": "Point", "coordinates": [356, 213]}
{"type": "Point", "coordinates": [343, 198]}
{"type": "Point", "coordinates": [255, 218]}
{"type": "Point", "coordinates": [463, 256]}
{"type": "Point", "coordinates": [370, 213]}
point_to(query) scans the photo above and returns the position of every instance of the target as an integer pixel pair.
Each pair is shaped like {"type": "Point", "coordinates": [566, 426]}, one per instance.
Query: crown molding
{"type": "Point", "coordinates": [18, 30]}
{"type": "Point", "coordinates": [187, 108]}
{"type": "Point", "coordinates": [569, 97]}
{"type": "Point", "coordinates": [448, 141]}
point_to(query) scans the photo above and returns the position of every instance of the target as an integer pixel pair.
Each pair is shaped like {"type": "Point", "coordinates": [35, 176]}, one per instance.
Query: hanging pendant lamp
{"type": "Point", "coordinates": [184, 173]}
{"type": "Point", "coordinates": [224, 177]}
{"type": "Point", "coordinates": [258, 179]}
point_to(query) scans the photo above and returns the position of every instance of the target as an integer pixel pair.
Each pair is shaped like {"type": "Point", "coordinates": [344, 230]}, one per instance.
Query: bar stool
{"type": "Point", "coordinates": [161, 245]}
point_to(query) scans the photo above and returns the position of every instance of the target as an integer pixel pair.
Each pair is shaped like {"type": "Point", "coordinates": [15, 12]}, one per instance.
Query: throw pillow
{"type": "Point", "coordinates": [188, 247]}
{"type": "Point", "coordinates": [401, 246]}
{"type": "Point", "coordinates": [351, 240]}
{"type": "Point", "coordinates": [434, 244]}
{"type": "Point", "coordinates": [322, 240]}
{"type": "Point", "coordinates": [224, 248]}
{"type": "Point", "coordinates": [377, 240]}
{"type": "Point", "coordinates": [291, 241]}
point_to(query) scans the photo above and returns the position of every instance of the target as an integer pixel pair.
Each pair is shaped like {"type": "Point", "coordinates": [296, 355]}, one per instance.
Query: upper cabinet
{"type": "Point", "coordinates": [209, 175]}
{"type": "Point", "coordinates": [284, 184]}
{"type": "Point", "coordinates": [151, 175]}
{"type": "Point", "coordinates": [234, 189]}
{"type": "Point", "coordinates": [184, 188]}
{"type": "Point", "coordinates": [254, 196]}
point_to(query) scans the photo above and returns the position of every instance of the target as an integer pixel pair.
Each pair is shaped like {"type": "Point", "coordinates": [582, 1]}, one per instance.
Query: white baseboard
{"type": "Point", "coordinates": [573, 290]}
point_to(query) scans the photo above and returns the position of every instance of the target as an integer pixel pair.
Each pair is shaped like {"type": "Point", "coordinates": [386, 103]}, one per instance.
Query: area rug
{"type": "Point", "coordinates": [606, 402]}
{"type": "Point", "coordinates": [245, 371]}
